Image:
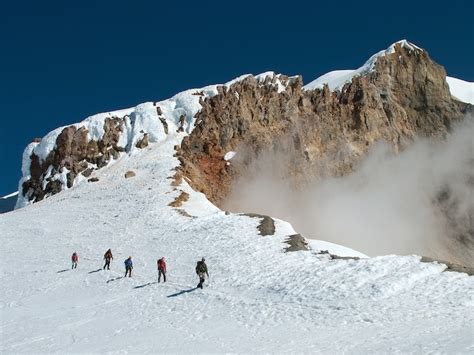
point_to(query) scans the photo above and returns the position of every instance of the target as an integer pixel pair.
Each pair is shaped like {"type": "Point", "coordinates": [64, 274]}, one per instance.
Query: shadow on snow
{"type": "Point", "coordinates": [182, 292]}
{"type": "Point", "coordinates": [115, 279]}
{"type": "Point", "coordinates": [145, 285]}
{"type": "Point", "coordinates": [91, 272]}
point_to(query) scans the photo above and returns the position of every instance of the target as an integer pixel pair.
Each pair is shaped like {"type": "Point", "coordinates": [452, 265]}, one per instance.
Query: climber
{"type": "Point", "coordinates": [128, 267]}
{"type": "Point", "coordinates": [108, 257]}
{"type": "Point", "coordinates": [161, 269]}
{"type": "Point", "coordinates": [201, 271]}
{"type": "Point", "coordinates": [74, 259]}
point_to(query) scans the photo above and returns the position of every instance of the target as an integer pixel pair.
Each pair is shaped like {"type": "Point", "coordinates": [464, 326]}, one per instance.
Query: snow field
{"type": "Point", "coordinates": [258, 298]}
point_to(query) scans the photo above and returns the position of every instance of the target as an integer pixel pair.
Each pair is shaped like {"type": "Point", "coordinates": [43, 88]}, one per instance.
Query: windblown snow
{"type": "Point", "coordinates": [258, 299]}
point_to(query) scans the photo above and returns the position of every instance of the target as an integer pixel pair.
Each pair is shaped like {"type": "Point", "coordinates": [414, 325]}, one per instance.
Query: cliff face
{"type": "Point", "coordinates": [401, 96]}
{"type": "Point", "coordinates": [73, 154]}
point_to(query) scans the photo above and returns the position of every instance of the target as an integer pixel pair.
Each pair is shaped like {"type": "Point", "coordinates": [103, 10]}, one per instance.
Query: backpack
{"type": "Point", "coordinates": [201, 267]}
{"type": "Point", "coordinates": [161, 264]}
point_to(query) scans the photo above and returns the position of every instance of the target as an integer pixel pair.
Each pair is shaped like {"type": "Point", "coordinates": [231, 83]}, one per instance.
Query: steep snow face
{"type": "Point", "coordinates": [278, 302]}
{"type": "Point", "coordinates": [338, 78]}
{"type": "Point", "coordinates": [334, 79]}
{"type": "Point", "coordinates": [461, 90]}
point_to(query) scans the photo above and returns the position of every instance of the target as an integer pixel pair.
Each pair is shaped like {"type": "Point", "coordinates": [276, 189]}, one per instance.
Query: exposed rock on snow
{"type": "Point", "coordinates": [450, 266]}
{"type": "Point", "coordinates": [129, 174]}
{"type": "Point", "coordinates": [178, 202]}
{"type": "Point", "coordinates": [142, 143]}
{"type": "Point", "coordinates": [267, 224]}
{"type": "Point", "coordinates": [296, 243]}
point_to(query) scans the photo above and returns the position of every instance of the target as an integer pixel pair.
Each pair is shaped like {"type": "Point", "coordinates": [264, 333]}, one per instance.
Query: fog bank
{"type": "Point", "coordinates": [420, 201]}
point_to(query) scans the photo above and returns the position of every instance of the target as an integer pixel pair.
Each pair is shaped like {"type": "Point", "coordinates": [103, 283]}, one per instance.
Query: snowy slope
{"type": "Point", "coordinates": [259, 299]}
{"type": "Point", "coordinates": [461, 90]}
{"type": "Point", "coordinates": [334, 79]}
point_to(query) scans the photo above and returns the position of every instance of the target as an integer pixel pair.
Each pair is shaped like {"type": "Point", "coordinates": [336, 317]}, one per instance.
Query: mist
{"type": "Point", "coordinates": [420, 201]}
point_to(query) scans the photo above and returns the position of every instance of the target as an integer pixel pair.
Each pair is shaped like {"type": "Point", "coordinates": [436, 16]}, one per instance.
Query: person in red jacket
{"type": "Point", "coordinates": [74, 259]}
{"type": "Point", "coordinates": [161, 269]}
{"type": "Point", "coordinates": [108, 257]}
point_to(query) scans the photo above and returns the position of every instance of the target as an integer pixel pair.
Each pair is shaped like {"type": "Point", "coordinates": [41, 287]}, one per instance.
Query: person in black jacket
{"type": "Point", "coordinates": [201, 271]}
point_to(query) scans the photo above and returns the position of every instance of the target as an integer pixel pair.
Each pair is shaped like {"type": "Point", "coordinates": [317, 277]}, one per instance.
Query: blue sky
{"type": "Point", "coordinates": [62, 61]}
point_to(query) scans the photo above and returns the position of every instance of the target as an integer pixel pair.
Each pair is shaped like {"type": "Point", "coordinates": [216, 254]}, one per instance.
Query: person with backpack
{"type": "Point", "coordinates": [74, 259]}
{"type": "Point", "coordinates": [108, 257]}
{"type": "Point", "coordinates": [161, 269]}
{"type": "Point", "coordinates": [128, 266]}
{"type": "Point", "coordinates": [201, 271]}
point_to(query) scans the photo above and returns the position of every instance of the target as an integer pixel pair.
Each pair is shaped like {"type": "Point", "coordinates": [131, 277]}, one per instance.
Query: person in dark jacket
{"type": "Point", "coordinates": [74, 259]}
{"type": "Point", "coordinates": [128, 266]}
{"type": "Point", "coordinates": [201, 271]}
{"type": "Point", "coordinates": [108, 257]}
{"type": "Point", "coordinates": [161, 269]}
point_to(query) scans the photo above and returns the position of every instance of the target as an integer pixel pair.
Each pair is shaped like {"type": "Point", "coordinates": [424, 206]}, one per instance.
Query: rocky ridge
{"type": "Point", "coordinates": [400, 95]}
{"type": "Point", "coordinates": [319, 132]}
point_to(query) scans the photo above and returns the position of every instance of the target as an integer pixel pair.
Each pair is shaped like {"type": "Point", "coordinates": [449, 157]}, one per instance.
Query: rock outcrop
{"type": "Point", "coordinates": [129, 174]}
{"type": "Point", "coordinates": [73, 154]}
{"type": "Point", "coordinates": [403, 97]}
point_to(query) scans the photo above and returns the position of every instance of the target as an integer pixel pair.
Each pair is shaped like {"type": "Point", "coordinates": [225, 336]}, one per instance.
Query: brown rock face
{"type": "Point", "coordinates": [406, 96]}
{"type": "Point", "coordinates": [143, 143]}
{"type": "Point", "coordinates": [76, 153]}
